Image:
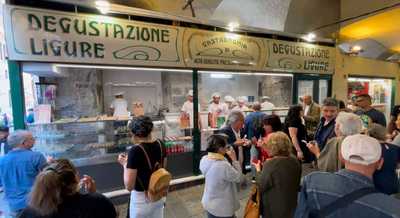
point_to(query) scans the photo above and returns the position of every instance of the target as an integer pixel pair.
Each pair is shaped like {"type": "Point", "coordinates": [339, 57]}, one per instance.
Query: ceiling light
{"type": "Point", "coordinates": [355, 49]}
{"type": "Point", "coordinates": [221, 76]}
{"type": "Point", "coordinates": [103, 6]}
{"type": "Point", "coordinates": [122, 68]}
{"type": "Point", "coordinates": [232, 26]}
{"type": "Point", "coordinates": [309, 37]}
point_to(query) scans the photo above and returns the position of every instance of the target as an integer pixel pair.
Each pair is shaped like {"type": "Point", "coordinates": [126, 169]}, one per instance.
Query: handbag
{"type": "Point", "coordinates": [252, 209]}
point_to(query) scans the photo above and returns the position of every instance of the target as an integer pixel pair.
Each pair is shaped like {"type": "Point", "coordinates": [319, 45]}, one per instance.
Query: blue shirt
{"type": "Point", "coordinates": [320, 189]}
{"type": "Point", "coordinates": [324, 132]}
{"type": "Point", "coordinates": [375, 115]}
{"type": "Point", "coordinates": [253, 124]}
{"type": "Point", "coordinates": [18, 170]}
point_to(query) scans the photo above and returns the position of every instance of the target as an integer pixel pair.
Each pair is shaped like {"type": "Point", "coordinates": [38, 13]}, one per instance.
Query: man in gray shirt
{"type": "Point", "coordinates": [364, 103]}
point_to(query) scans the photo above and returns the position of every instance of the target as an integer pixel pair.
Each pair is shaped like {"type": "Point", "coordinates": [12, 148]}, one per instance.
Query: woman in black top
{"type": "Point", "coordinates": [55, 195]}
{"type": "Point", "coordinates": [296, 130]}
{"type": "Point", "coordinates": [137, 171]}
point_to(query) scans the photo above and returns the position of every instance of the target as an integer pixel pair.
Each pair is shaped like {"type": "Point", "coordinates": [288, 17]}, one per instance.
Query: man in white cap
{"type": "Point", "coordinates": [187, 108]}
{"type": "Point", "coordinates": [119, 106]}
{"type": "Point", "coordinates": [241, 104]}
{"type": "Point", "coordinates": [266, 105]}
{"type": "Point", "coordinates": [349, 192]}
{"type": "Point", "coordinates": [216, 111]}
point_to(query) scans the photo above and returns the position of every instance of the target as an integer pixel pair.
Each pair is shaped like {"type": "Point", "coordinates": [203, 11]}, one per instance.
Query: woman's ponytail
{"type": "Point", "coordinates": [54, 183]}
{"type": "Point", "coordinates": [46, 193]}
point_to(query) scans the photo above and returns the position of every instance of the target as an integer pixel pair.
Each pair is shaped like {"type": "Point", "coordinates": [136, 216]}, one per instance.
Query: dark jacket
{"type": "Point", "coordinates": [324, 132]}
{"type": "Point", "coordinates": [279, 183]}
{"type": "Point", "coordinates": [227, 130]}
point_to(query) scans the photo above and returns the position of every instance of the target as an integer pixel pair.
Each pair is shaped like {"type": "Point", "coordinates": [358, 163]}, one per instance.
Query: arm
{"type": "Point", "coordinates": [129, 174]}
{"type": "Point", "coordinates": [295, 141]}
{"type": "Point", "coordinates": [233, 173]}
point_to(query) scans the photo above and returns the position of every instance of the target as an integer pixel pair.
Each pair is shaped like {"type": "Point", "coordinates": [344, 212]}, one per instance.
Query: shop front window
{"type": "Point", "coordinates": [85, 121]}
{"type": "Point", "coordinates": [380, 91]}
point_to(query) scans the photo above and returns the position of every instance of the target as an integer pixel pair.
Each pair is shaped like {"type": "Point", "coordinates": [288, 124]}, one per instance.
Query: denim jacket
{"type": "Point", "coordinates": [320, 189]}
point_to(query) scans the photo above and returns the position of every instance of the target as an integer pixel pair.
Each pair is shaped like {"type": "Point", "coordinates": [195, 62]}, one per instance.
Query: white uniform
{"type": "Point", "coordinates": [243, 109]}
{"type": "Point", "coordinates": [220, 109]}
{"type": "Point", "coordinates": [187, 107]}
{"type": "Point", "coordinates": [267, 106]}
{"type": "Point", "coordinates": [120, 107]}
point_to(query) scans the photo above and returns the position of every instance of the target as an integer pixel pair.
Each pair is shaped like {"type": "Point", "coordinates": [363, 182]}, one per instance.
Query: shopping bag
{"type": "Point", "coordinates": [252, 209]}
{"type": "Point", "coordinates": [184, 122]}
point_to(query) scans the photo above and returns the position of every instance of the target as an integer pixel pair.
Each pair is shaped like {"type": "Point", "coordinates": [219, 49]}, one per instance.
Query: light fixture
{"type": "Point", "coordinates": [221, 76]}
{"type": "Point", "coordinates": [232, 26]}
{"type": "Point", "coordinates": [123, 68]}
{"type": "Point", "coordinates": [309, 37]}
{"type": "Point", "coordinates": [355, 49]}
{"type": "Point", "coordinates": [103, 6]}
{"type": "Point", "coordinates": [244, 73]}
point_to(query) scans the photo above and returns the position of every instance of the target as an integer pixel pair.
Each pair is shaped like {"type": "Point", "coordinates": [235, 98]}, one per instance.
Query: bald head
{"type": "Point", "coordinates": [307, 99]}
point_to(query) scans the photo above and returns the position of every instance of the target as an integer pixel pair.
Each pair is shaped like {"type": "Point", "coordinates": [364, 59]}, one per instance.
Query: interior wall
{"type": "Point", "coordinates": [78, 94]}
{"type": "Point", "coordinates": [143, 86]}
{"type": "Point", "coordinates": [346, 65]}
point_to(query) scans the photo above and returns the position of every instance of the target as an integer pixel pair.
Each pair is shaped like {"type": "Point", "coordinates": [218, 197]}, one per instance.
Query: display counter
{"type": "Point", "coordinates": [93, 145]}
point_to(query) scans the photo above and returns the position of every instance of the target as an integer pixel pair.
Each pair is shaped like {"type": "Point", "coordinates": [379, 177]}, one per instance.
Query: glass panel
{"type": "Point", "coordinates": [323, 90]}
{"type": "Point", "coordinates": [87, 130]}
{"type": "Point", "coordinates": [305, 87]}
{"type": "Point", "coordinates": [379, 89]}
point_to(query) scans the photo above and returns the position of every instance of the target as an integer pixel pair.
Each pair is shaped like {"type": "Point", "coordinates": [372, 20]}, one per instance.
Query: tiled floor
{"type": "Point", "coordinates": [186, 203]}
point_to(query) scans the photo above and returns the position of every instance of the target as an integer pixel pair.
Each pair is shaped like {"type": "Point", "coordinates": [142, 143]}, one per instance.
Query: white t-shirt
{"type": "Point", "coordinates": [120, 107]}
{"type": "Point", "coordinates": [187, 107]}
{"type": "Point", "coordinates": [306, 110]}
{"type": "Point", "coordinates": [220, 109]}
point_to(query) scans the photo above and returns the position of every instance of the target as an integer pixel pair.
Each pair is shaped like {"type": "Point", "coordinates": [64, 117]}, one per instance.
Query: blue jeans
{"type": "Point", "coordinates": [209, 215]}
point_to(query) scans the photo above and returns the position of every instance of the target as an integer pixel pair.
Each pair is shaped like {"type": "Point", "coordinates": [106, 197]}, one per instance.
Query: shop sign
{"type": "Point", "coordinates": [41, 35]}
{"type": "Point", "coordinates": [299, 57]}
{"type": "Point", "coordinates": [206, 49]}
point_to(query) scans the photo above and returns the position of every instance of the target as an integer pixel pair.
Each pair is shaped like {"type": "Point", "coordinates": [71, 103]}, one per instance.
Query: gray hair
{"type": "Point", "coordinates": [349, 123]}
{"type": "Point", "coordinates": [234, 116]}
{"type": "Point", "coordinates": [330, 102]}
{"type": "Point", "coordinates": [377, 131]}
{"type": "Point", "coordinates": [18, 137]}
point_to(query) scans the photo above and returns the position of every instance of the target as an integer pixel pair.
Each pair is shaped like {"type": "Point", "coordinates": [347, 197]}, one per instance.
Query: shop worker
{"type": "Point", "coordinates": [216, 111]}
{"type": "Point", "coordinates": [364, 103]}
{"type": "Point", "coordinates": [266, 104]}
{"type": "Point", "coordinates": [362, 157]}
{"type": "Point", "coordinates": [119, 106]}
{"type": "Point", "coordinates": [19, 168]}
{"type": "Point", "coordinates": [312, 114]}
{"type": "Point", "coordinates": [229, 104]}
{"type": "Point", "coordinates": [326, 126]}
{"type": "Point", "coordinates": [241, 104]}
{"type": "Point", "coordinates": [187, 108]}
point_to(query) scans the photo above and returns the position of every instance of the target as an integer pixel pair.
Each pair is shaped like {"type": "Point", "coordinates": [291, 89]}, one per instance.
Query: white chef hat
{"type": "Point", "coordinates": [119, 93]}
{"type": "Point", "coordinates": [229, 98]}
{"type": "Point", "coordinates": [215, 94]}
{"type": "Point", "coordinates": [265, 98]}
{"type": "Point", "coordinates": [242, 99]}
{"type": "Point", "coordinates": [190, 93]}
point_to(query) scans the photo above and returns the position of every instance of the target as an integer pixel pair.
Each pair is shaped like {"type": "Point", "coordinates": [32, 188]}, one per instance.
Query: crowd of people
{"type": "Point", "coordinates": [354, 154]}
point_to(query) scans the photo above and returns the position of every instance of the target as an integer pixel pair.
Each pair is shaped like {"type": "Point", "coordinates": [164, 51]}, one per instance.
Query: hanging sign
{"type": "Point", "coordinates": [42, 35]}
{"type": "Point", "coordinates": [206, 49]}
{"type": "Point", "coordinates": [299, 57]}
{"type": "Point", "coordinates": [52, 36]}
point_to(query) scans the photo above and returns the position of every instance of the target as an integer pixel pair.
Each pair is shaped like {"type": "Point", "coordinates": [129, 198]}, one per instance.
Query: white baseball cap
{"type": "Point", "coordinates": [361, 149]}
{"type": "Point", "coordinates": [229, 98]}
{"type": "Point", "coordinates": [216, 94]}
{"type": "Point", "coordinates": [190, 93]}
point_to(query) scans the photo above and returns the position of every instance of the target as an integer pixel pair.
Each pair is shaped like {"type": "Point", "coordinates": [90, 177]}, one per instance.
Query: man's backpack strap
{"type": "Point", "coordinates": [342, 202]}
